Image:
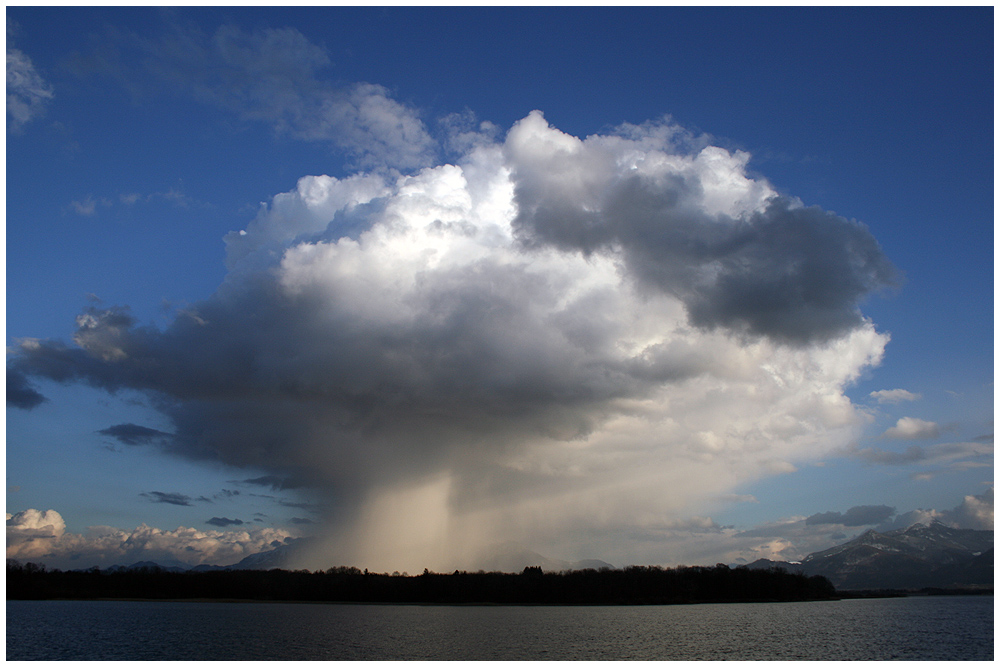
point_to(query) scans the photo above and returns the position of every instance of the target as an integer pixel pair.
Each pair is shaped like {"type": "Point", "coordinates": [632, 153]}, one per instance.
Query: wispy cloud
{"type": "Point", "coordinates": [275, 76]}
{"type": "Point", "coordinates": [862, 515]}
{"type": "Point", "coordinates": [274, 482]}
{"type": "Point", "coordinates": [947, 452]}
{"type": "Point", "coordinates": [87, 207]}
{"type": "Point", "coordinates": [27, 92]}
{"type": "Point", "coordinates": [171, 196]}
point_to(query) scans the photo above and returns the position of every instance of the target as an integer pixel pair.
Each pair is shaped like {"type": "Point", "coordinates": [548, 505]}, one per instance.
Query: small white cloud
{"type": "Point", "coordinates": [173, 196]}
{"type": "Point", "coordinates": [911, 428]}
{"type": "Point", "coordinates": [86, 207]}
{"type": "Point", "coordinates": [894, 396]}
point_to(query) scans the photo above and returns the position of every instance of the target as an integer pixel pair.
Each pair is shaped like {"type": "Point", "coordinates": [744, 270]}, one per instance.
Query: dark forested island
{"type": "Point", "coordinates": [631, 585]}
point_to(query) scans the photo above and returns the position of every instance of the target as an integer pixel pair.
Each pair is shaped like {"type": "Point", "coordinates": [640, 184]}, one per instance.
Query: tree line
{"type": "Point", "coordinates": [631, 585]}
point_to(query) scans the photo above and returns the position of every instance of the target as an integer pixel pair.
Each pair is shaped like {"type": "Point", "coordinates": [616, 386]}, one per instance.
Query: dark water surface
{"type": "Point", "coordinates": [917, 628]}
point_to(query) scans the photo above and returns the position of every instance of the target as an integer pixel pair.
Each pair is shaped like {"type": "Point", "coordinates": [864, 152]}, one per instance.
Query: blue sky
{"type": "Point", "coordinates": [396, 411]}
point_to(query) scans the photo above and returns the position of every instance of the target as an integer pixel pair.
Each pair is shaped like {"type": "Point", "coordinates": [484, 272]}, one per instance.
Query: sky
{"type": "Point", "coordinates": [648, 285]}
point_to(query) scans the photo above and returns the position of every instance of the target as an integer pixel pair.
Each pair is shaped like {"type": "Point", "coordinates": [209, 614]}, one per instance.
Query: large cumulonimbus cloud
{"type": "Point", "coordinates": [559, 341]}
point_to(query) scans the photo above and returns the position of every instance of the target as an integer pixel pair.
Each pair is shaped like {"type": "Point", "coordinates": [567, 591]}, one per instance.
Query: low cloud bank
{"type": "Point", "coordinates": [35, 536]}
{"type": "Point", "coordinates": [793, 538]}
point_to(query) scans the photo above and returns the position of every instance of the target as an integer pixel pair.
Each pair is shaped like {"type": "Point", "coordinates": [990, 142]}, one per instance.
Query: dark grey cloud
{"type": "Point", "coordinates": [430, 384]}
{"type": "Point", "coordinates": [860, 515]}
{"type": "Point", "coordinates": [169, 498]}
{"type": "Point", "coordinates": [134, 434]}
{"type": "Point", "coordinates": [300, 521]}
{"type": "Point", "coordinates": [792, 273]}
{"type": "Point", "coordinates": [797, 275]}
{"type": "Point", "coordinates": [20, 393]}
{"type": "Point", "coordinates": [223, 522]}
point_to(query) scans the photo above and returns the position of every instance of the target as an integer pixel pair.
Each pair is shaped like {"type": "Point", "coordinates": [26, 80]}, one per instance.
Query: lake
{"type": "Point", "coordinates": [915, 628]}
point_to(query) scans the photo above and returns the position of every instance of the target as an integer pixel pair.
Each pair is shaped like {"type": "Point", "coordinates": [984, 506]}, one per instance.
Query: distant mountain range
{"type": "Point", "coordinates": [921, 556]}
{"type": "Point", "coordinates": [147, 564]}
{"type": "Point", "coordinates": [506, 557]}
{"type": "Point", "coordinates": [279, 557]}
{"type": "Point", "coordinates": [512, 557]}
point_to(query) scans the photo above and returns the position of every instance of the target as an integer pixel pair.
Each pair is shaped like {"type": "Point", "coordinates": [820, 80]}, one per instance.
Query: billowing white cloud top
{"type": "Point", "coordinates": [565, 342]}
